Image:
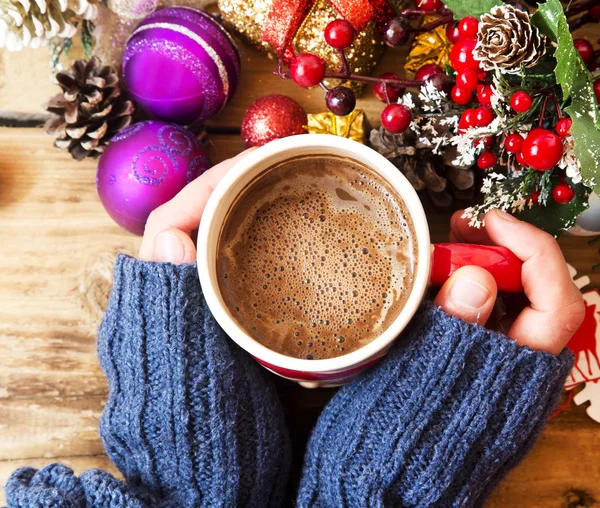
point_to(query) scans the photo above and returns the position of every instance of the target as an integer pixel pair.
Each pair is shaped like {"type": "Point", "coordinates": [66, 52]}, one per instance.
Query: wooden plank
{"type": "Point", "coordinates": [77, 464]}
{"type": "Point", "coordinates": [562, 470]}
{"type": "Point", "coordinates": [49, 427]}
{"type": "Point", "coordinates": [58, 242]}
{"type": "Point", "coordinates": [56, 265]}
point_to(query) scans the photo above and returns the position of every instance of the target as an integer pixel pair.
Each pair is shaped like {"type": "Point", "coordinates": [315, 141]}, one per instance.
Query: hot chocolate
{"type": "Point", "coordinates": [316, 257]}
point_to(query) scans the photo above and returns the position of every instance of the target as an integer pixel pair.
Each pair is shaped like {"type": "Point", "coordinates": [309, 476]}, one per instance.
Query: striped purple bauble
{"type": "Point", "coordinates": [181, 65]}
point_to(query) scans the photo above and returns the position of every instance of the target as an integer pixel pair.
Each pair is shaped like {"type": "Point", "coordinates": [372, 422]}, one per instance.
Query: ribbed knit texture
{"type": "Point", "coordinates": [438, 423]}
{"type": "Point", "coordinates": [190, 420]}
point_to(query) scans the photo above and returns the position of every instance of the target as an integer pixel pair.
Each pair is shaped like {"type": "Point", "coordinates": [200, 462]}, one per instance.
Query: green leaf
{"type": "Point", "coordinates": [585, 115]}
{"type": "Point", "coordinates": [555, 218]}
{"type": "Point", "coordinates": [577, 85]}
{"type": "Point", "coordinates": [550, 19]}
{"type": "Point", "coordinates": [462, 8]}
{"type": "Point", "coordinates": [87, 37]}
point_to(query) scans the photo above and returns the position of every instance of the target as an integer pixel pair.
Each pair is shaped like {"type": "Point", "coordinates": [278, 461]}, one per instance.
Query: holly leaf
{"type": "Point", "coordinates": [577, 87]}
{"type": "Point", "coordinates": [550, 19]}
{"type": "Point", "coordinates": [554, 218]}
{"type": "Point", "coordinates": [462, 8]}
{"type": "Point", "coordinates": [585, 114]}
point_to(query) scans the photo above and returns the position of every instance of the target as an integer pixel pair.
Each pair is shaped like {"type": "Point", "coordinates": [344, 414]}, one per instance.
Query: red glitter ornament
{"type": "Point", "coordinates": [272, 117]}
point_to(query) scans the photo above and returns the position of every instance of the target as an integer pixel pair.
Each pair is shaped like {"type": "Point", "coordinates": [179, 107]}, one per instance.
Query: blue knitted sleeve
{"type": "Point", "coordinates": [438, 422]}
{"type": "Point", "coordinates": [190, 419]}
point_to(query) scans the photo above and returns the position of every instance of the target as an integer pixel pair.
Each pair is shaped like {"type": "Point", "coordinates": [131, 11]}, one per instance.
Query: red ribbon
{"type": "Point", "coordinates": [286, 16]}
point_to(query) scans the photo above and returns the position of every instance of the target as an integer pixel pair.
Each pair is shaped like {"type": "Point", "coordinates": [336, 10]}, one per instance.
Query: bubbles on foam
{"type": "Point", "coordinates": [307, 251]}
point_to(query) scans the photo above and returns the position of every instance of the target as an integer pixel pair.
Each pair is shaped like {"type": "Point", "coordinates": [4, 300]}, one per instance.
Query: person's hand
{"type": "Point", "coordinates": [556, 306]}
{"type": "Point", "coordinates": [169, 229]}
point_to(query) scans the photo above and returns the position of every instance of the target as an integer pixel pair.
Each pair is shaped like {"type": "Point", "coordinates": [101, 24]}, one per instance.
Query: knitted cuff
{"type": "Point", "coordinates": [439, 421]}
{"type": "Point", "coordinates": [57, 486]}
{"type": "Point", "coordinates": [190, 417]}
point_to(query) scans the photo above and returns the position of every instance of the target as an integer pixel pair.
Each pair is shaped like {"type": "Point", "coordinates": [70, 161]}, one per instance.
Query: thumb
{"type": "Point", "coordinates": [173, 246]}
{"type": "Point", "coordinates": [469, 294]}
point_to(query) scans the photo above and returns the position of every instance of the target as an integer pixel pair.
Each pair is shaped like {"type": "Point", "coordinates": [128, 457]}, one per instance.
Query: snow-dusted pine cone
{"type": "Point", "coordinates": [32, 22]}
{"type": "Point", "coordinates": [507, 41]}
{"type": "Point", "coordinates": [90, 110]}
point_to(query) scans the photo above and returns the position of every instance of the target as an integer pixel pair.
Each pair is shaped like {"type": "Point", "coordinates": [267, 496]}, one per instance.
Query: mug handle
{"type": "Point", "coordinates": [502, 264]}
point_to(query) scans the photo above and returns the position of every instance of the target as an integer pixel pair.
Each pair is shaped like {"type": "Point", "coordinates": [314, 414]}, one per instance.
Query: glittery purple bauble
{"type": "Point", "coordinates": [180, 65]}
{"type": "Point", "coordinates": [144, 166]}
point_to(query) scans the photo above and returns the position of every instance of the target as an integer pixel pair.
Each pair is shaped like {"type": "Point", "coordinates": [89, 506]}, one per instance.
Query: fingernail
{"type": "Point", "coordinates": [168, 248]}
{"type": "Point", "coordinates": [468, 294]}
{"type": "Point", "coordinates": [506, 216]}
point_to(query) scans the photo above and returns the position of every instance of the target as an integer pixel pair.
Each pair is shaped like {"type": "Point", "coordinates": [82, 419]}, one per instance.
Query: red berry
{"type": "Point", "coordinates": [461, 56]}
{"type": "Point", "coordinates": [467, 79]}
{"type": "Point", "coordinates": [563, 127]}
{"type": "Point", "coordinates": [595, 13]}
{"type": "Point", "coordinates": [484, 142]}
{"type": "Point", "coordinates": [427, 71]}
{"type": "Point", "coordinates": [483, 116]}
{"type": "Point", "coordinates": [586, 50]}
{"type": "Point", "coordinates": [339, 34]}
{"type": "Point", "coordinates": [428, 5]}
{"type": "Point", "coordinates": [461, 96]}
{"type": "Point", "coordinates": [484, 94]}
{"type": "Point", "coordinates": [513, 142]}
{"type": "Point", "coordinates": [442, 82]}
{"type": "Point", "coordinates": [396, 32]}
{"type": "Point", "coordinates": [452, 32]}
{"type": "Point", "coordinates": [307, 70]}
{"type": "Point", "coordinates": [535, 197]}
{"type": "Point", "coordinates": [542, 149]}
{"type": "Point", "coordinates": [521, 159]}
{"type": "Point", "coordinates": [597, 90]}
{"type": "Point", "coordinates": [521, 102]}
{"type": "Point", "coordinates": [467, 120]}
{"type": "Point", "coordinates": [487, 160]}
{"type": "Point", "coordinates": [340, 100]}
{"type": "Point", "coordinates": [396, 118]}
{"type": "Point", "coordinates": [563, 193]}
{"type": "Point", "coordinates": [394, 92]}
{"type": "Point", "coordinates": [482, 75]}
{"type": "Point", "coordinates": [468, 27]}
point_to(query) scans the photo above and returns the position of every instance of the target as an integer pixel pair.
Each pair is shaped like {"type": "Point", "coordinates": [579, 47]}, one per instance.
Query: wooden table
{"type": "Point", "coordinates": [56, 254]}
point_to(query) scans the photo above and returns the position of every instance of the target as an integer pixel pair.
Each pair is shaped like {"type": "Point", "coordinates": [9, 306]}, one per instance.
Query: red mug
{"type": "Point", "coordinates": [435, 263]}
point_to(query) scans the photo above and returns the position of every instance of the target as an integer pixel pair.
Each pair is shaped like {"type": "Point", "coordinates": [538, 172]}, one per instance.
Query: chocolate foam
{"type": "Point", "coordinates": [316, 257]}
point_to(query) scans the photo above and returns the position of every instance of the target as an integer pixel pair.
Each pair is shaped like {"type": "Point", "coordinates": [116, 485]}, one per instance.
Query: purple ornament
{"type": "Point", "coordinates": [181, 65]}
{"type": "Point", "coordinates": [144, 166]}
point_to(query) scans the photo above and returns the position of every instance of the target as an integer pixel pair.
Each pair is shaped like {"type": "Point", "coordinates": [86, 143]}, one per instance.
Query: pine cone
{"type": "Point", "coordinates": [507, 41]}
{"type": "Point", "coordinates": [509, 161]}
{"type": "Point", "coordinates": [424, 170]}
{"type": "Point", "coordinates": [31, 23]}
{"type": "Point", "coordinates": [91, 109]}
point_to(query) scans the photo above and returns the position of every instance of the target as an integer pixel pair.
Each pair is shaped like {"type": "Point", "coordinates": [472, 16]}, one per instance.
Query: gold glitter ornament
{"type": "Point", "coordinates": [363, 55]}
{"type": "Point", "coordinates": [351, 126]}
{"type": "Point", "coordinates": [432, 47]}
{"type": "Point", "coordinates": [247, 18]}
